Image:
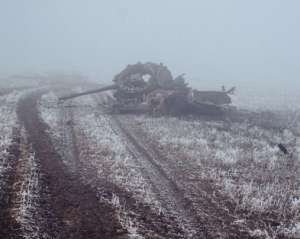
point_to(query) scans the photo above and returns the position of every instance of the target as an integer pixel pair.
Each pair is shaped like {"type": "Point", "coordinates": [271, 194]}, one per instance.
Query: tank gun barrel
{"type": "Point", "coordinates": [110, 87]}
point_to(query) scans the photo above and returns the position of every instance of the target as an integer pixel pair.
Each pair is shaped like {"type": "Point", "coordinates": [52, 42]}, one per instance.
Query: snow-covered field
{"type": "Point", "coordinates": [8, 121]}
{"type": "Point", "coordinates": [100, 145]}
{"type": "Point", "coordinates": [242, 159]}
{"type": "Point", "coordinates": [101, 149]}
{"type": "Point", "coordinates": [18, 163]}
{"type": "Point", "coordinates": [108, 152]}
{"type": "Point", "coordinates": [25, 199]}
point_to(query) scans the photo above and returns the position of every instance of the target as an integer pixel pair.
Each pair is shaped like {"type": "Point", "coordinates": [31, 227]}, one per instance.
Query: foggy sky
{"type": "Point", "coordinates": [207, 39]}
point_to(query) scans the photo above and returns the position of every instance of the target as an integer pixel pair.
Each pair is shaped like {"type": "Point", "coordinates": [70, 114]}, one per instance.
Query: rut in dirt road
{"type": "Point", "coordinates": [213, 211]}
{"type": "Point", "coordinates": [137, 216]}
{"type": "Point", "coordinates": [166, 190]}
{"type": "Point", "coordinates": [76, 210]}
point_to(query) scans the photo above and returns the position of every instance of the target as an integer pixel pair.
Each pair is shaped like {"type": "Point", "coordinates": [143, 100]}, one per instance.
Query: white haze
{"type": "Point", "coordinates": [253, 45]}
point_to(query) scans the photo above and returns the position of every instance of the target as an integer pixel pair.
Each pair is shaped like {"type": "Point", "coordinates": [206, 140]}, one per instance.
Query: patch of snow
{"type": "Point", "coordinates": [48, 107]}
{"type": "Point", "coordinates": [25, 199]}
{"type": "Point", "coordinates": [243, 159]}
{"type": "Point", "coordinates": [125, 220]}
{"type": "Point", "coordinates": [8, 121]}
{"type": "Point", "coordinates": [112, 159]}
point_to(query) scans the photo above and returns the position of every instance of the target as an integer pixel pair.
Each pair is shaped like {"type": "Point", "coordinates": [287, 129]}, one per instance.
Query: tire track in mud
{"type": "Point", "coordinates": [137, 218]}
{"type": "Point", "coordinates": [27, 195]}
{"type": "Point", "coordinates": [21, 192]}
{"type": "Point", "coordinates": [215, 211]}
{"type": "Point", "coordinates": [220, 213]}
{"type": "Point", "coordinates": [74, 209]}
{"type": "Point", "coordinates": [167, 191]}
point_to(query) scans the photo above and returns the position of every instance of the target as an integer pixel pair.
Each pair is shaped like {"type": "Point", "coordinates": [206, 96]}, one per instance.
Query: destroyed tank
{"type": "Point", "coordinates": [150, 88]}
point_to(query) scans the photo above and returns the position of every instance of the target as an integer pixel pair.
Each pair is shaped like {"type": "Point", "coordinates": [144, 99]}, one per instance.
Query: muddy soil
{"type": "Point", "coordinates": [72, 209]}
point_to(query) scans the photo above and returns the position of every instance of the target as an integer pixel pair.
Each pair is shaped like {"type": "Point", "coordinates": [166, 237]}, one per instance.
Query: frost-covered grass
{"type": "Point", "coordinates": [25, 199]}
{"type": "Point", "coordinates": [125, 219]}
{"type": "Point", "coordinates": [100, 149]}
{"type": "Point", "coordinates": [99, 144]}
{"type": "Point", "coordinates": [243, 159]}
{"type": "Point", "coordinates": [25, 188]}
{"type": "Point", "coordinates": [240, 158]}
{"type": "Point", "coordinates": [8, 121]}
{"type": "Point", "coordinates": [53, 115]}
{"type": "Point", "coordinates": [105, 149]}
{"type": "Point", "coordinates": [48, 107]}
